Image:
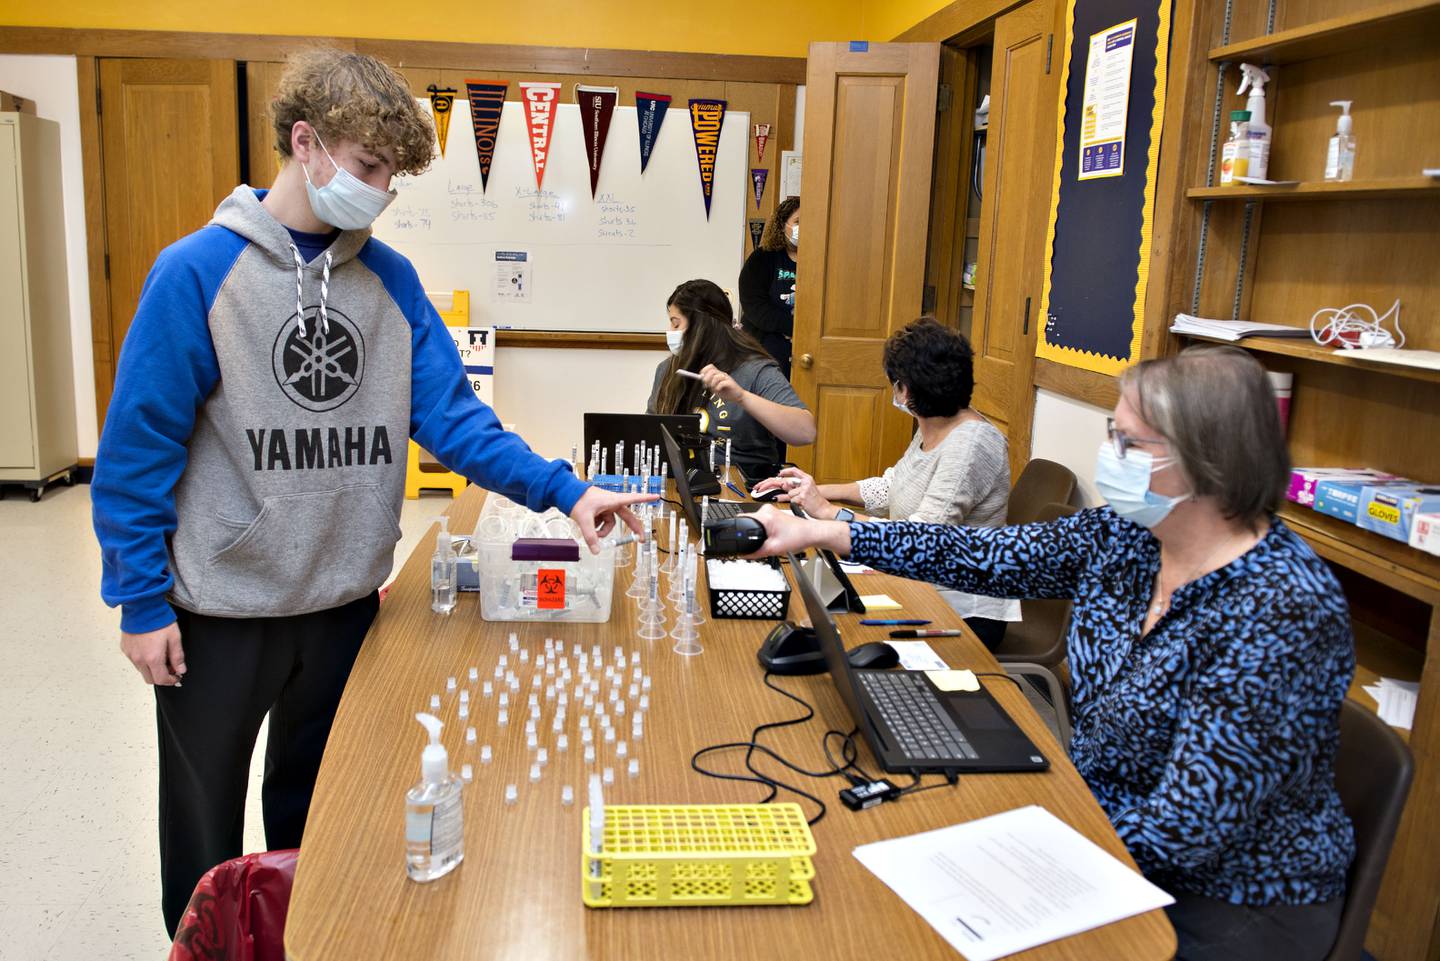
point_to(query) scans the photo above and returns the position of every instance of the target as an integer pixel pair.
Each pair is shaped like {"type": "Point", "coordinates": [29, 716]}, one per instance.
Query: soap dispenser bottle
{"type": "Point", "coordinates": [434, 814]}
{"type": "Point", "coordinates": [1340, 159]}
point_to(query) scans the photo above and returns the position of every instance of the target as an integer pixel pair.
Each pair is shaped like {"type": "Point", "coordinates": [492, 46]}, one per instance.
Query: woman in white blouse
{"type": "Point", "coordinates": [956, 470]}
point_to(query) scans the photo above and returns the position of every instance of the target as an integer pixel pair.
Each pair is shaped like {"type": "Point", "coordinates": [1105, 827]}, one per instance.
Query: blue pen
{"type": "Point", "coordinates": [737, 490]}
{"type": "Point", "coordinates": [893, 623]}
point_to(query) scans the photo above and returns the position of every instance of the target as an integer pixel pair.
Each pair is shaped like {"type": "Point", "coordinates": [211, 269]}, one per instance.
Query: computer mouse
{"type": "Point", "coordinates": [765, 497]}
{"type": "Point", "coordinates": [875, 656]}
{"type": "Point", "coordinates": [740, 534]}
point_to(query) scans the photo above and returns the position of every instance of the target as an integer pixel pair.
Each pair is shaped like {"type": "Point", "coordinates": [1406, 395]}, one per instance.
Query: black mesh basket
{"type": "Point", "coordinates": [749, 605]}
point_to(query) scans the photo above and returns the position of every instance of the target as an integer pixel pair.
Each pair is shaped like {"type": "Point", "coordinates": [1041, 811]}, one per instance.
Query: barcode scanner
{"type": "Point", "coordinates": [740, 534]}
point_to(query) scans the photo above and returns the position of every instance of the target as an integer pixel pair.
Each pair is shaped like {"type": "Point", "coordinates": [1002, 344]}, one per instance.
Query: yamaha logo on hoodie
{"type": "Point", "coordinates": [323, 370]}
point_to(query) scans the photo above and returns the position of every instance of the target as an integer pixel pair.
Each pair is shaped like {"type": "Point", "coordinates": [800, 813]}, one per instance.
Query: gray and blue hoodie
{"type": "Point", "coordinates": [253, 458]}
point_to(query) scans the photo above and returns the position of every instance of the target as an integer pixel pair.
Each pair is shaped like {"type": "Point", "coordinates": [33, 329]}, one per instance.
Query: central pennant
{"type": "Point", "coordinates": [539, 100]}
{"type": "Point", "coordinates": [650, 110]}
{"type": "Point", "coordinates": [597, 105]}
{"type": "Point", "coordinates": [706, 119]}
{"type": "Point", "coordinates": [441, 101]}
{"type": "Point", "coordinates": [487, 101]}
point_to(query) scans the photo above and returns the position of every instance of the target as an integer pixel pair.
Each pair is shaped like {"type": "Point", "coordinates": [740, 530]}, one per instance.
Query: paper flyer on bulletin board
{"type": "Point", "coordinates": [1112, 103]}
{"type": "Point", "coordinates": [477, 353]}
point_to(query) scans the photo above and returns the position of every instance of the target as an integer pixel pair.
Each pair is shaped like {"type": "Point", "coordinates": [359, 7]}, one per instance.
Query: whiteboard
{"type": "Point", "coordinates": [602, 265]}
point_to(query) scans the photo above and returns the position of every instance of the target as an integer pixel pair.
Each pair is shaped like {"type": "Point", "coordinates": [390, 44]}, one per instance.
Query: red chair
{"type": "Point", "coordinates": [237, 912]}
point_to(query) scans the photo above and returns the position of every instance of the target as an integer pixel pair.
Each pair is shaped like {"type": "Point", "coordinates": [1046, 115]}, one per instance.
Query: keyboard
{"type": "Point", "coordinates": [724, 510]}
{"type": "Point", "coordinates": [914, 717]}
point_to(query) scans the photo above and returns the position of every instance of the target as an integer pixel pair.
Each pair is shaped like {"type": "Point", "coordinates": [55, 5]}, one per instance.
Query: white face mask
{"type": "Point", "coordinates": [795, 236]}
{"type": "Point", "coordinates": [674, 339]}
{"type": "Point", "coordinates": [1125, 484]}
{"type": "Point", "coordinates": [346, 201]}
{"type": "Point", "coordinates": [899, 404]}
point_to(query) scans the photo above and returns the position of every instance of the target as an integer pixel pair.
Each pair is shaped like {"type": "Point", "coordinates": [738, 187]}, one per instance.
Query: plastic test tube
{"type": "Point", "coordinates": [486, 754]}
{"type": "Point", "coordinates": [511, 794]}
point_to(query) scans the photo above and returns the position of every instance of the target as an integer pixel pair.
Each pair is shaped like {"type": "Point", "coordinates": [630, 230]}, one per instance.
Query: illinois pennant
{"type": "Point", "coordinates": [597, 105]}
{"type": "Point", "coordinates": [706, 119]}
{"type": "Point", "coordinates": [487, 100]}
{"type": "Point", "coordinates": [440, 103]}
{"type": "Point", "coordinates": [650, 110]}
{"type": "Point", "coordinates": [540, 100]}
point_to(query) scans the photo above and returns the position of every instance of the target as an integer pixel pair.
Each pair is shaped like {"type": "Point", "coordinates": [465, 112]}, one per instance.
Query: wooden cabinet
{"type": "Point", "coordinates": [1278, 254]}
{"type": "Point", "coordinates": [37, 396]}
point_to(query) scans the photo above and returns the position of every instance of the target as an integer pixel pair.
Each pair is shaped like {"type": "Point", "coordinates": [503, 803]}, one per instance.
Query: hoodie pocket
{"type": "Point", "coordinates": [303, 552]}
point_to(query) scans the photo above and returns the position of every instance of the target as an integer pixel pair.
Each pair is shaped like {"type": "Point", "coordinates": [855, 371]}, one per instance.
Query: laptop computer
{"type": "Point", "coordinates": [610, 429]}
{"type": "Point", "coordinates": [910, 724]}
{"type": "Point", "coordinates": [718, 509]}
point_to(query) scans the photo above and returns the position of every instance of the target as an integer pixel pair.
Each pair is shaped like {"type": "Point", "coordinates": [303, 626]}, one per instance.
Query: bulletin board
{"type": "Point", "coordinates": [1102, 204]}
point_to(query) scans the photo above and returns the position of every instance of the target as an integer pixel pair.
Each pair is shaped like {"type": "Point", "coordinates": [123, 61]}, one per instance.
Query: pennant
{"type": "Point", "coordinates": [757, 177]}
{"type": "Point", "coordinates": [440, 103]}
{"type": "Point", "coordinates": [487, 100]}
{"type": "Point", "coordinates": [597, 105]}
{"type": "Point", "coordinates": [762, 136]}
{"type": "Point", "coordinates": [706, 119]}
{"type": "Point", "coordinates": [539, 99]}
{"type": "Point", "coordinates": [757, 230]}
{"type": "Point", "coordinates": [650, 110]}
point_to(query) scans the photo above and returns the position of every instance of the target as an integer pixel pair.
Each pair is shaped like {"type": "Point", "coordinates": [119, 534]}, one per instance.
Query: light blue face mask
{"type": "Point", "coordinates": [1125, 483]}
{"type": "Point", "coordinates": [675, 339]}
{"type": "Point", "coordinates": [346, 201]}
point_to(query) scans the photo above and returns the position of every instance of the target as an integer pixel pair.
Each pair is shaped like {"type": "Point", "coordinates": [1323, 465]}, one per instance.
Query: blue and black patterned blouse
{"type": "Point", "coordinates": [1210, 741]}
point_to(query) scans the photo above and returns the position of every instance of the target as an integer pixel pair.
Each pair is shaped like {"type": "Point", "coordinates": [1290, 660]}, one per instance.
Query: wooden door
{"type": "Point", "coordinates": [169, 132]}
{"type": "Point", "coordinates": [1014, 214]}
{"type": "Point", "coordinates": [869, 132]}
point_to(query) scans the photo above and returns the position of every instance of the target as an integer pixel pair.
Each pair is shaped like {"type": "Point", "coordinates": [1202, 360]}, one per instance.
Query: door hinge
{"type": "Point", "coordinates": [943, 98]}
{"type": "Point", "coordinates": [927, 299]}
{"type": "Point", "coordinates": [1025, 326]}
{"type": "Point", "coordinates": [1049, 48]}
{"type": "Point", "coordinates": [107, 266]}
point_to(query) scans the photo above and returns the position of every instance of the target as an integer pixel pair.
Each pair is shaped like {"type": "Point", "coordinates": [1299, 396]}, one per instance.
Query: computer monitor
{"type": "Point", "coordinates": [611, 429]}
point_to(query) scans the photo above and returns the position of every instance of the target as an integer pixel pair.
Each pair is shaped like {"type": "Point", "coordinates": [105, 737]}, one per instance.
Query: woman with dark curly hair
{"type": "Point", "coordinates": [767, 284]}
{"type": "Point", "coordinates": [956, 470]}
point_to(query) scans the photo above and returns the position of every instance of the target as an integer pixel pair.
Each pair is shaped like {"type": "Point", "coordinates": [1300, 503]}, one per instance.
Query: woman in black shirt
{"type": "Point", "coordinates": [767, 284]}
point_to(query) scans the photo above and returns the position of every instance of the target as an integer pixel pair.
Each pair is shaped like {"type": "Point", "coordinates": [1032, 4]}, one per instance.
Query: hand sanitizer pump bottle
{"type": "Point", "coordinates": [442, 571]}
{"type": "Point", "coordinates": [434, 814]}
{"type": "Point", "coordinates": [1340, 160]}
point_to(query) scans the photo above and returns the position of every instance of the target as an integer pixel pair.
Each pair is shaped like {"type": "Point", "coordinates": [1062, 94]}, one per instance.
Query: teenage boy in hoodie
{"type": "Point", "coordinates": [252, 464]}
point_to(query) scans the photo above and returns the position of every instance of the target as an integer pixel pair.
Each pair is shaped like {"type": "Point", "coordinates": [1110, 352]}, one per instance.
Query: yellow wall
{"type": "Point", "coordinates": [887, 19]}
{"type": "Point", "coordinates": [764, 27]}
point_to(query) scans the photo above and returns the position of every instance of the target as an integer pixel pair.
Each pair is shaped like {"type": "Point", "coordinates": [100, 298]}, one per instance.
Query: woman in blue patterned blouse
{"type": "Point", "coordinates": [1210, 651]}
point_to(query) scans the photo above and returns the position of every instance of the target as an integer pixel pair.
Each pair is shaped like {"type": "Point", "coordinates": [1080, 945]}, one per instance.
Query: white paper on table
{"type": "Point", "coordinates": [918, 656]}
{"type": "Point", "coordinates": [852, 568]}
{"type": "Point", "coordinates": [1009, 882]}
{"type": "Point", "coordinates": [1397, 700]}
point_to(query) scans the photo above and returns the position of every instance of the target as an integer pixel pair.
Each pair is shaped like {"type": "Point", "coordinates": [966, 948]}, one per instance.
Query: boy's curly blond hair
{"type": "Point", "coordinates": [349, 96]}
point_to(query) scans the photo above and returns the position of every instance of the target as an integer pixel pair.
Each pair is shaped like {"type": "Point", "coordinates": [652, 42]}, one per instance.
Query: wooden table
{"type": "Point", "coordinates": [517, 894]}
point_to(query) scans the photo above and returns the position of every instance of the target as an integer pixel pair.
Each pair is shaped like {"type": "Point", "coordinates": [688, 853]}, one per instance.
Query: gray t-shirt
{"type": "Point", "coordinates": [750, 442]}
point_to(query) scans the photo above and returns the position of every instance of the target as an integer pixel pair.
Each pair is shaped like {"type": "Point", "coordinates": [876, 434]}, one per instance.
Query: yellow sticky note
{"type": "Point", "coordinates": [879, 602]}
{"type": "Point", "coordinates": [954, 680]}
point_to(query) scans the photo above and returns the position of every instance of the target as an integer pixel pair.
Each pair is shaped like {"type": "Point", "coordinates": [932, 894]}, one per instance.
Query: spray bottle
{"type": "Point", "coordinates": [434, 814]}
{"type": "Point", "coordinates": [442, 571]}
{"type": "Point", "coordinates": [1254, 80]}
{"type": "Point", "coordinates": [1340, 160]}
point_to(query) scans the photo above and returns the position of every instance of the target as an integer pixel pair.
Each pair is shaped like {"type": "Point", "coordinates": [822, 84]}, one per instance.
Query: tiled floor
{"type": "Point", "coordinates": [79, 865]}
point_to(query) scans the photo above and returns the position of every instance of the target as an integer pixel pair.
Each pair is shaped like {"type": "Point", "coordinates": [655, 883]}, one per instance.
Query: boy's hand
{"type": "Point", "coordinates": [597, 510]}
{"type": "Point", "coordinates": [157, 655]}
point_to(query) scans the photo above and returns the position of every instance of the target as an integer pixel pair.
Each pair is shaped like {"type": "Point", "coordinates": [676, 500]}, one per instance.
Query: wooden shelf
{"type": "Point", "coordinates": [1390, 562]}
{"type": "Point", "coordinates": [1371, 27]}
{"type": "Point", "coordinates": [1390, 188]}
{"type": "Point", "coordinates": [1307, 349]}
{"type": "Point", "coordinates": [1377, 656]}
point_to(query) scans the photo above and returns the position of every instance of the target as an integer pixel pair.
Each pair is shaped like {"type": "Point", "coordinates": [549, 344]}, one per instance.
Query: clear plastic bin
{"type": "Point", "coordinates": [574, 591]}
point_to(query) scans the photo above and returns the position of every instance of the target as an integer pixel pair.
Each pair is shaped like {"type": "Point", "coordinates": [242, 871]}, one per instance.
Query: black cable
{"type": "Point", "coordinates": [1001, 674]}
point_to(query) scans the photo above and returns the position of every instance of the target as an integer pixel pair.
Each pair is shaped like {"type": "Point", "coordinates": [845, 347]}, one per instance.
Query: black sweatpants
{"type": "Point", "coordinates": [237, 671]}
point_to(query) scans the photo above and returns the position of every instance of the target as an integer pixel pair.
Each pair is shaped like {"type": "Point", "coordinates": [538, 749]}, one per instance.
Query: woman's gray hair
{"type": "Point", "coordinates": [1216, 409]}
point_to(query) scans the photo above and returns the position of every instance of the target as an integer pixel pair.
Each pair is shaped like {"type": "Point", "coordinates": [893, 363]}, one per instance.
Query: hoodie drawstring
{"type": "Point", "coordinates": [300, 291]}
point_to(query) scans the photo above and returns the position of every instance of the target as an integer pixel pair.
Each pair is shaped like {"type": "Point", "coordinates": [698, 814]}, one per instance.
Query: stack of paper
{"type": "Point", "coordinates": [1396, 699]}
{"type": "Point", "coordinates": [1231, 329]}
{"type": "Point", "coordinates": [1006, 883]}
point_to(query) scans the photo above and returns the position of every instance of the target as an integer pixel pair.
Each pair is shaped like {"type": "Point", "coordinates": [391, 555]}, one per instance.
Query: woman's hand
{"type": "Point", "coordinates": [721, 384]}
{"type": "Point", "coordinates": [800, 488]}
{"type": "Point", "coordinates": [597, 510]}
{"type": "Point", "coordinates": [787, 534]}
